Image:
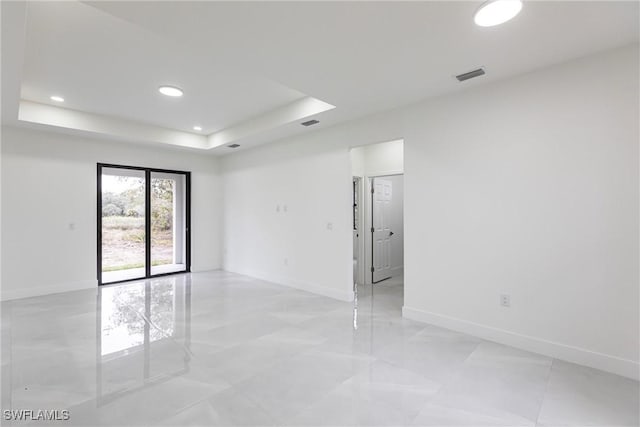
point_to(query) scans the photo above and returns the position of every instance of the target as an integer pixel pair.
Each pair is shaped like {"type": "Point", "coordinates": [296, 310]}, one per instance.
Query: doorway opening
{"type": "Point", "coordinates": [378, 219]}
{"type": "Point", "coordinates": [143, 219]}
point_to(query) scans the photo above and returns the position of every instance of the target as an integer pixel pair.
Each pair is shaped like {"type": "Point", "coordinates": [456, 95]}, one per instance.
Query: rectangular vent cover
{"type": "Point", "coordinates": [470, 74]}
{"type": "Point", "coordinates": [233, 145]}
{"type": "Point", "coordinates": [309, 123]}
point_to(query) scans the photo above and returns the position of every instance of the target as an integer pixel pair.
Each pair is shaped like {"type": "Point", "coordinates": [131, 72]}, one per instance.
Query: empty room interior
{"type": "Point", "coordinates": [320, 213]}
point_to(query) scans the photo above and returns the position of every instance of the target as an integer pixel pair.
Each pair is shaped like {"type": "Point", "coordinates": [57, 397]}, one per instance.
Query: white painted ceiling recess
{"type": "Point", "coordinates": [252, 71]}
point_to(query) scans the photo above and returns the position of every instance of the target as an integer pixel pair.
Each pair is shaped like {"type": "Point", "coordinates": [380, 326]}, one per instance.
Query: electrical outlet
{"type": "Point", "coordinates": [505, 300]}
{"type": "Point", "coordinates": [286, 261]}
{"type": "Point", "coordinates": [329, 226]}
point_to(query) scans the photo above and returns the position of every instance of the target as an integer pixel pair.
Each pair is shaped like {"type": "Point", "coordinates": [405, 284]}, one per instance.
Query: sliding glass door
{"type": "Point", "coordinates": [168, 226]}
{"type": "Point", "coordinates": [143, 222]}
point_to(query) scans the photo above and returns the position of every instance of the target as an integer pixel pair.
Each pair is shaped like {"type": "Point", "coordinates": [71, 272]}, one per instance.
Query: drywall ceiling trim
{"type": "Point", "coordinates": [62, 117]}
{"type": "Point", "coordinates": [297, 110]}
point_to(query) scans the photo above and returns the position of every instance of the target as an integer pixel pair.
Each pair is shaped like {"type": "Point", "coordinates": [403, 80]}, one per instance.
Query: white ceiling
{"type": "Point", "coordinates": [102, 64]}
{"type": "Point", "coordinates": [242, 63]}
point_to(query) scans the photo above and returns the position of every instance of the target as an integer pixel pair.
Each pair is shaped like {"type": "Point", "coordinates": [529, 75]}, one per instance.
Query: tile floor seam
{"type": "Point", "coordinates": [191, 405]}
{"type": "Point", "coordinates": [546, 388]}
{"type": "Point", "coordinates": [450, 379]}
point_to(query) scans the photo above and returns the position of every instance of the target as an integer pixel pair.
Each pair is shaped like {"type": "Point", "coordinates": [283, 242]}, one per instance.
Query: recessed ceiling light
{"type": "Point", "coordinates": [198, 128]}
{"type": "Point", "coordinates": [170, 91]}
{"type": "Point", "coordinates": [496, 12]}
{"type": "Point", "coordinates": [57, 98]}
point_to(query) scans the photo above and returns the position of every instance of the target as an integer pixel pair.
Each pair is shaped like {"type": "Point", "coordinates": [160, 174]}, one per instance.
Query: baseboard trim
{"type": "Point", "coordinates": [346, 295]}
{"type": "Point", "coordinates": [35, 291]}
{"type": "Point", "coordinates": [616, 365]}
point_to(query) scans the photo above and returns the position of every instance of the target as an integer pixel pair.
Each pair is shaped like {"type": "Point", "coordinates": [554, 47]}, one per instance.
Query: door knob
{"type": "Point", "coordinates": [391, 233]}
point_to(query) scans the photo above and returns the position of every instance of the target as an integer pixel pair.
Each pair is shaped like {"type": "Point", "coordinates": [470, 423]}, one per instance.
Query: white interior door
{"type": "Point", "coordinates": [381, 201]}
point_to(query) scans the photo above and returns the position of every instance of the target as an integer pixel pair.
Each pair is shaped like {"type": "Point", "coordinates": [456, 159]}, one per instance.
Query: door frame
{"type": "Point", "coordinates": [147, 201]}
{"type": "Point", "coordinates": [358, 218]}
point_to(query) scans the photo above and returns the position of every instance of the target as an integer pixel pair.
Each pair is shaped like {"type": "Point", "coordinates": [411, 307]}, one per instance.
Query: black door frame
{"type": "Point", "coordinates": [147, 202]}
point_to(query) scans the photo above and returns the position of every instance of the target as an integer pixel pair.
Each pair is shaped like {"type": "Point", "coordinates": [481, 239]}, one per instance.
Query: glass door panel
{"type": "Point", "coordinates": [123, 224]}
{"type": "Point", "coordinates": [168, 223]}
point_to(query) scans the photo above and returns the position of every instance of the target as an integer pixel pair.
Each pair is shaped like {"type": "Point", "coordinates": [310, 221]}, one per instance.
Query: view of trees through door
{"type": "Point", "coordinates": [123, 222]}
{"type": "Point", "coordinates": [124, 228]}
{"type": "Point", "coordinates": [162, 198]}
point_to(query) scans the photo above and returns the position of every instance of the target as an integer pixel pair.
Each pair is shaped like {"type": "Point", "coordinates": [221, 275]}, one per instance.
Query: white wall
{"type": "Point", "coordinates": [49, 181]}
{"type": "Point", "coordinates": [527, 186]}
{"type": "Point", "coordinates": [285, 219]}
{"type": "Point", "coordinates": [531, 190]}
{"type": "Point", "coordinates": [386, 158]}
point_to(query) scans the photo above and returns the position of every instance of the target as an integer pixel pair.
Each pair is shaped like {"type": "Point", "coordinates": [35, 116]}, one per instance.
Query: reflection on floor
{"type": "Point", "coordinates": [221, 349]}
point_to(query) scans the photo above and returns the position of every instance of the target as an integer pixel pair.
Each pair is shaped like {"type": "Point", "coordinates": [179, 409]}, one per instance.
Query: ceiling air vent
{"type": "Point", "coordinates": [310, 123]}
{"type": "Point", "coordinates": [233, 145]}
{"type": "Point", "coordinates": [471, 74]}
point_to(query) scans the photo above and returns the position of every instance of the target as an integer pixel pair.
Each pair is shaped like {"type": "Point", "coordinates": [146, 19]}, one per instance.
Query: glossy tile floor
{"type": "Point", "coordinates": [221, 349]}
